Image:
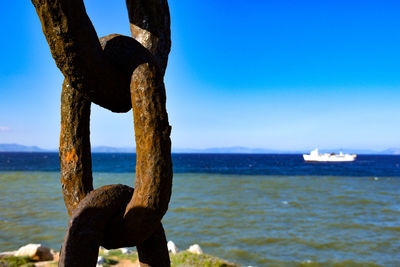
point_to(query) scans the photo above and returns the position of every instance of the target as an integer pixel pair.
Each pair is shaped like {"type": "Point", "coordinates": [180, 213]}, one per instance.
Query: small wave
{"type": "Point", "coordinates": [354, 202]}
{"type": "Point", "coordinates": [390, 211]}
{"type": "Point", "coordinates": [186, 198]}
{"type": "Point", "coordinates": [387, 193]}
{"type": "Point", "coordinates": [210, 244]}
{"type": "Point", "coordinates": [351, 226]}
{"type": "Point", "coordinates": [392, 228]}
{"type": "Point", "coordinates": [311, 263]}
{"type": "Point", "coordinates": [256, 212]}
{"type": "Point", "coordinates": [262, 241]}
{"type": "Point", "coordinates": [216, 203]}
{"type": "Point", "coordinates": [293, 204]}
{"type": "Point", "coordinates": [194, 210]}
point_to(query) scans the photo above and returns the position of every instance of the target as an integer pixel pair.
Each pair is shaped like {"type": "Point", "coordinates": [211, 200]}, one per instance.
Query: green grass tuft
{"type": "Point", "coordinates": [181, 259]}
{"type": "Point", "coordinates": [189, 259]}
{"type": "Point", "coordinates": [12, 261]}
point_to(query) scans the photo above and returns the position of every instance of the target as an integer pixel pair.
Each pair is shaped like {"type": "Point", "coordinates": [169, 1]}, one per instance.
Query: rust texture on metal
{"type": "Point", "coordinates": [75, 156]}
{"type": "Point", "coordinates": [118, 73]}
{"type": "Point", "coordinates": [150, 25]}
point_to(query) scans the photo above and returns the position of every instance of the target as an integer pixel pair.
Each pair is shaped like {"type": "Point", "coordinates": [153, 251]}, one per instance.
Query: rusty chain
{"type": "Point", "coordinates": [118, 73]}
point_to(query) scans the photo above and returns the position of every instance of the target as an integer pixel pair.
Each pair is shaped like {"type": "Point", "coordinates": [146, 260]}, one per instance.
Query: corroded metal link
{"type": "Point", "coordinates": [75, 156]}
{"type": "Point", "coordinates": [92, 224]}
{"type": "Point", "coordinates": [117, 73]}
{"type": "Point", "coordinates": [120, 221]}
{"type": "Point", "coordinates": [153, 181]}
{"type": "Point", "coordinates": [153, 150]}
{"type": "Point", "coordinates": [150, 25]}
{"type": "Point", "coordinates": [88, 223]}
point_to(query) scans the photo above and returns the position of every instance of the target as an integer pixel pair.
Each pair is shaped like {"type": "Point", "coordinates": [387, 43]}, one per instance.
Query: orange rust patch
{"type": "Point", "coordinates": [70, 156]}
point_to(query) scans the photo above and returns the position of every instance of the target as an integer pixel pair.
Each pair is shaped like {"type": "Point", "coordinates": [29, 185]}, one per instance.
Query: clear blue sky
{"type": "Point", "coordinates": [278, 74]}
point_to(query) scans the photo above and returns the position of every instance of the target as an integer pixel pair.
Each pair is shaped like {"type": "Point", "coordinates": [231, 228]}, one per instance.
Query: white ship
{"type": "Point", "coordinates": [328, 157]}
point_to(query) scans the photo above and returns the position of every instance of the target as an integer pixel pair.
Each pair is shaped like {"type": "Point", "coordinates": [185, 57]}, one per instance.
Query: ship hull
{"type": "Point", "coordinates": [329, 158]}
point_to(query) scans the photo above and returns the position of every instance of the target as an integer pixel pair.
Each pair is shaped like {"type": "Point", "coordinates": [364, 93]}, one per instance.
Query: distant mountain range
{"type": "Point", "coordinates": [97, 149]}
{"type": "Point", "coordinates": [232, 150]}
{"type": "Point", "coordinates": [246, 150]}
{"type": "Point", "coordinates": [20, 148]}
{"type": "Point", "coordinates": [216, 150]}
{"type": "Point", "coordinates": [109, 149]}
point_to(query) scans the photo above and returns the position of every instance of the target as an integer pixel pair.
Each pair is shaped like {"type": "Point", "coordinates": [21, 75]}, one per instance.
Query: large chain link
{"type": "Point", "coordinates": [117, 73]}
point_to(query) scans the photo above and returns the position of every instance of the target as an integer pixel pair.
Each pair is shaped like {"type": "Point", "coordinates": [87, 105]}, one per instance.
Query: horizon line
{"type": "Point", "coordinates": [14, 147]}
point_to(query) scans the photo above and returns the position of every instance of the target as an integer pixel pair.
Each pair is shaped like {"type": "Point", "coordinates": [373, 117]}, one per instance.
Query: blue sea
{"type": "Point", "coordinates": [258, 210]}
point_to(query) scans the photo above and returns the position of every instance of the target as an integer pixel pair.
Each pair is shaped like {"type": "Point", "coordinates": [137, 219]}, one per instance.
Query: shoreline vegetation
{"type": "Point", "coordinates": [36, 255]}
{"type": "Point", "coordinates": [125, 257]}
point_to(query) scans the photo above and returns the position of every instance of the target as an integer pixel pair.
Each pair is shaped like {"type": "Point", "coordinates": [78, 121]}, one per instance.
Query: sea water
{"type": "Point", "coordinates": [259, 210]}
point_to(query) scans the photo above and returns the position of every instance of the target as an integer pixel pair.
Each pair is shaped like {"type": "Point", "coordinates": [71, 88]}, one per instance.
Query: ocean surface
{"type": "Point", "coordinates": [258, 210]}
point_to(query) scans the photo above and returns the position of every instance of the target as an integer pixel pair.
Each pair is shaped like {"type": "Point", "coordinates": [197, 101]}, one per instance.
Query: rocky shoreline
{"type": "Point", "coordinates": [32, 255]}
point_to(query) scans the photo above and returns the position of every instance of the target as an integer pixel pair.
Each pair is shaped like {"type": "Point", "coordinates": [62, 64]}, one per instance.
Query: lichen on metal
{"type": "Point", "coordinates": [118, 73]}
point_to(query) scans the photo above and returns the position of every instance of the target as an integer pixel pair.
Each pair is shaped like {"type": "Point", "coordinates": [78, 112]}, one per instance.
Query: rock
{"type": "Point", "coordinates": [195, 249]}
{"type": "Point", "coordinates": [35, 252]}
{"type": "Point", "coordinates": [172, 248]}
{"type": "Point", "coordinates": [7, 254]}
{"type": "Point", "coordinates": [124, 250]}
